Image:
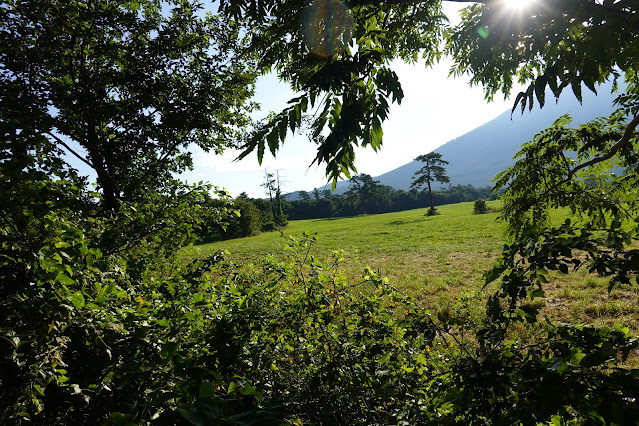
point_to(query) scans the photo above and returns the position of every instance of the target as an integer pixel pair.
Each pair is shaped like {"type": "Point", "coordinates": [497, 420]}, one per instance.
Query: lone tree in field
{"type": "Point", "coordinates": [433, 171]}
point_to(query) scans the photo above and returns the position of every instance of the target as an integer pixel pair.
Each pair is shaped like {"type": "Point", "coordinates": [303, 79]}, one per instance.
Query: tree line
{"type": "Point", "coordinates": [364, 196]}
{"type": "Point", "coordinates": [250, 216]}
{"type": "Point", "coordinates": [375, 198]}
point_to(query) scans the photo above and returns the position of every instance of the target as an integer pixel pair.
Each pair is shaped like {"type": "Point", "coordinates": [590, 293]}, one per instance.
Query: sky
{"type": "Point", "coordinates": [435, 109]}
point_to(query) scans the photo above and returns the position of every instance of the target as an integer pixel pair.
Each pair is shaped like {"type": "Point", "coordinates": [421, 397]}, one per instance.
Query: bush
{"type": "Point", "coordinates": [224, 221]}
{"type": "Point", "coordinates": [480, 207]}
{"type": "Point", "coordinates": [247, 224]}
{"type": "Point", "coordinates": [289, 341]}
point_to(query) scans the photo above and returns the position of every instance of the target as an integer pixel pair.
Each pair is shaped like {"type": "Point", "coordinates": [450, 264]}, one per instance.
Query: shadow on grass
{"type": "Point", "coordinates": [404, 222]}
{"type": "Point", "coordinates": [330, 219]}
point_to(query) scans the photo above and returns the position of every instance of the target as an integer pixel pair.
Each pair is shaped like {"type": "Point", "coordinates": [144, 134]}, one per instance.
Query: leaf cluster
{"type": "Point", "coordinates": [339, 65]}
{"type": "Point", "coordinates": [125, 86]}
{"type": "Point", "coordinates": [551, 44]}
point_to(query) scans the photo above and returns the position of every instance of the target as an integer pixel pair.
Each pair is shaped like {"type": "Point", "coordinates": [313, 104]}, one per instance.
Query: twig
{"type": "Point", "coordinates": [628, 133]}
{"type": "Point", "coordinates": [61, 142]}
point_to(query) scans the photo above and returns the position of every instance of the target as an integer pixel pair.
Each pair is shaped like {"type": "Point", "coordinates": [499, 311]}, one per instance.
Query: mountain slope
{"type": "Point", "coordinates": [478, 156]}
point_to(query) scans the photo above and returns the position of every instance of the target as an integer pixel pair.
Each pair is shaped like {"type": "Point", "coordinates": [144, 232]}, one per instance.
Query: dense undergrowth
{"type": "Point", "coordinates": [283, 342]}
{"type": "Point", "coordinates": [103, 325]}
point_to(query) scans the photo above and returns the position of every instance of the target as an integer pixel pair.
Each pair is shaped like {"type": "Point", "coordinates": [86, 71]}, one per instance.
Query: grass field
{"type": "Point", "coordinates": [439, 260]}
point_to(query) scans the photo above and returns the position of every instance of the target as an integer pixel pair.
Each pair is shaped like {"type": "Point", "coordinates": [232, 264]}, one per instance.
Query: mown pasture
{"type": "Point", "coordinates": [439, 260]}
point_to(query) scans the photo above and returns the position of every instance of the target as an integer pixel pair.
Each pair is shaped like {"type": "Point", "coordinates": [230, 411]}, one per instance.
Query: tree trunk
{"type": "Point", "coordinates": [110, 194]}
{"type": "Point", "coordinates": [430, 196]}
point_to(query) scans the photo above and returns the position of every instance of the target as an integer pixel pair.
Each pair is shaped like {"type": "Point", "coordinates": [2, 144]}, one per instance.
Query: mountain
{"type": "Point", "coordinates": [478, 156]}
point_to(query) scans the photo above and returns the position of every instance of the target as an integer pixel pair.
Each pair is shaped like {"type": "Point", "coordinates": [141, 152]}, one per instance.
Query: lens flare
{"type": "Point", "coordinates": [483, 32]}
{"type": "Point", "coordinates": [327, 26]}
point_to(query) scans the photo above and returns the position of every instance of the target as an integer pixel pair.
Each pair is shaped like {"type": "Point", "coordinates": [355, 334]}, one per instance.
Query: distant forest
{"type": "Point", "coordinates": [383, 199]}
{"type": "Point", "coordinates": [366, 196]}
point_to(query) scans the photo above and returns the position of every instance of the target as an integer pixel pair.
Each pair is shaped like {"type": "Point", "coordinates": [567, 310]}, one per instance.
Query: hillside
{"type": "Point", "coordinates": [477, 156]}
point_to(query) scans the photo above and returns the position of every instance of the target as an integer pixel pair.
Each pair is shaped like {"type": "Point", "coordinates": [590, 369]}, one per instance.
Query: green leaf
{"type": "Point", "coordinates": [576, 89]}
{"type": "Point", "coordinates": [590, 85]}
{"type": "Point", "coordinates": [282, 126]}
{"type": "Point", "coordinates": [537, 293]}
{"type": "Point", "coordinates": [530, 96]}
{"type": "Point", "coordinates": [251, 390]}
{"type": "Point", "coordinates": [39, 389]}
{"type": "Point", "coordinates": [169, 349]}
{"type": "Point", "coordinates": [273, 142]}
{"type": "Point", "coordinates": [260, 151]}
{"type": "Point", "coordinates": [559, 366]}
{"type": "Point", "coordinates": [551, 79]}
{"type": "Point", "coordinates": [292, 119]}
{"type": "Point", "coordinates": [376, 136]}
{"type": "Point", "coordinates": [540, 90]}
{"type": "Point", "coordinates": [83, 249]}
{"type": "Point", "coordinates": [77, 299]}
{"type": "Point", "coordinates": [593, 359]}
{"type": "Point", "coordinates": [518, 99]}
{"type": "Point", "coordinates": [202, 413]}
{"type": "Point", "coordinates": [64, 279]}
{"type": "Point", "coordinates": [421, 359]}
{"type": "Point", "coordinates": [207, 390]}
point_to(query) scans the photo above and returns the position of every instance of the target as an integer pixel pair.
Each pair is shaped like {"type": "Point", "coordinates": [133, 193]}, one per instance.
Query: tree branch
{"type": "Point", "coordinates": [625, 138]}
{"type": "Point", "coordinates": [615, 10]}
{"type": "Point", "coordinates": [61, 142]}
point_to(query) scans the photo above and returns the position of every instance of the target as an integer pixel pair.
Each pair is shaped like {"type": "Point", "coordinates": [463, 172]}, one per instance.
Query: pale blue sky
{"type": "Point", "coordinates": [435, 109]}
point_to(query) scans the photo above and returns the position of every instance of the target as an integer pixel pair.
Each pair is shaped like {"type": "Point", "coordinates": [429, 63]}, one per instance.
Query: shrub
{"type": "Point", "coordinates": [480, 207]}
{"type": "Point", "coordinates": [289, 341]}
{"type": "Point", "coordinates": [247, 224]}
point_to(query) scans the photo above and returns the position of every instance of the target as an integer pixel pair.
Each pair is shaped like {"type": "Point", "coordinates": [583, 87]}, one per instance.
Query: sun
{"type": "Point", "coordinates": [518, 4]}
